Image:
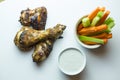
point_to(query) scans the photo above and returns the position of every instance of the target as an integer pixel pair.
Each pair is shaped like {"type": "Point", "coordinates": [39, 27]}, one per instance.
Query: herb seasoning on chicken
{"type": "Point", "coordinates": [28, 37]}
{"type": "Point", "coordinates": [43, 40]}
{"type": "Point", "coordinates": [42, 50]}
{"type": "Point", "coordinates": [35, 18]}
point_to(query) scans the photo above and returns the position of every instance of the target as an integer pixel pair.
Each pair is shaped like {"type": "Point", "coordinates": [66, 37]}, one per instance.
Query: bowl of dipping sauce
{"type": "Point", "coordinates": [71, 61]}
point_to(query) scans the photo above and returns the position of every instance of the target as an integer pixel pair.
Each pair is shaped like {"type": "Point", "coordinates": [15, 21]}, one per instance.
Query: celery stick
{"type": "Point", "coordinates": [108, 20]}
{"type": "Point", "coordinates": [110, 26]}
{"type": "Point", "coordinates": [91, 39]}
{"type": "Point", "coordinates": [100, 14]}
{"type": "Point", "coordinates": [86, 22]}
{"type": "Point", "coordinates": [110, 23]}
{"type": "Point", "coordinates": [108, 30]}
{"type": "Point", "coordinates": [97, 18]}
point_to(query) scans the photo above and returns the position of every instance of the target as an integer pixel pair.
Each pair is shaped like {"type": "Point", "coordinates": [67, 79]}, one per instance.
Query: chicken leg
{"type": "Point", "coordinates": [28, 37]}
{"type": "Point", "coordinates": [35, 18]}
{"type": "Point", "coordinates": [42, 50]}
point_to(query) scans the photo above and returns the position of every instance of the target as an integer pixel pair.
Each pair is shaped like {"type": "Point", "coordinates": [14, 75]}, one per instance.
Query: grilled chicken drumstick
{"type": "Point", "coordinates": [28, 37]}
{"type": "Point", "coordinates": [35, 18]}
{"type": "Point", "coordinates": [42, 50]}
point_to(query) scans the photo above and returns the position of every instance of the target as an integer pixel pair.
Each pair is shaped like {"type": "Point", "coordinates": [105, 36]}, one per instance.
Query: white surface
{"type": "Point", "coordinates": [71, 61]}
{"type": "Point", "coordinates": [102, 63]}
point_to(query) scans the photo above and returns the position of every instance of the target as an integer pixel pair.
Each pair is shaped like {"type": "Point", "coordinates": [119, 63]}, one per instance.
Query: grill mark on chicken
{"type": "Point", "coordinates": [28, 37]}
{"type": "Point", "coordinates": [42, 49]}
{"type": "Point", "coordinates": [35, 18]}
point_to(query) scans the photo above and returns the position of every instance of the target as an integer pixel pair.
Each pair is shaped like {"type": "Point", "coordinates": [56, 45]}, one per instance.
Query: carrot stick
{"type": "Point", "coordinates": [105, 41]}
{"type": "Point", "coordinates": [109, 36]}
{"type": "Point", "coordinates": [103, 35]}
{"type": "Point", "coordinates": [93, 30]}
{"type": "Point", "coordinates": [80, 26]}
{"type": "Point", "coordinates": [90, 43]}
{"type": "Point", "coordinates": [93, 13]}
{"type": "Point", "coordinates": [103, 18]}
{"type": "Point", "coordinates": [102, 9]}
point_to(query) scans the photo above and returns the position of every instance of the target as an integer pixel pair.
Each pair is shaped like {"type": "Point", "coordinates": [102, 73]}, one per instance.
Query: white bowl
{"type": "Point", "coordinates": [71, 61]}
{"type": "Point", "coordinates": [80, 42]}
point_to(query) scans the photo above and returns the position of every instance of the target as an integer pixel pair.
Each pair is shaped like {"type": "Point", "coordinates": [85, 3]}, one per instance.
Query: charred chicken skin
{"type": "Point", "coordinates": [33, 33]}
{"type": "Point", "coordinates": [42, 50]}
{"type": "Point", "coordinates": [28, 37]}
{"type": "Point", "coordinates": [35, 18]}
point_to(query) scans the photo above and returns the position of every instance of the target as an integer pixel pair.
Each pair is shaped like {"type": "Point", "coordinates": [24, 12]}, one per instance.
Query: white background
{"type": "Point", "coordinates": [102, 63]}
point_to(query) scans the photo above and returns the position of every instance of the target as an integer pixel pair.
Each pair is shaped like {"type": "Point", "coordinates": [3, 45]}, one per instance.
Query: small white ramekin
{"type": "Point", "coordinates": [76, 71]}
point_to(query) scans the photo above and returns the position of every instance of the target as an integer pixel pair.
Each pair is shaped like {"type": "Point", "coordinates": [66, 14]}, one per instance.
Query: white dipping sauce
{"type": "Point", "coordinates": [71, 61]}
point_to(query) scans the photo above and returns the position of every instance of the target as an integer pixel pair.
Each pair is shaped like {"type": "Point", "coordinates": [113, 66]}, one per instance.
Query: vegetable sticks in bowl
{"type": "Point", "coordinates": [96, 27]}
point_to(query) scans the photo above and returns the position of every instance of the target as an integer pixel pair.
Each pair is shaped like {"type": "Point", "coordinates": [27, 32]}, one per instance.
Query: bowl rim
{"type": "Point", "coordinates": [79, 41]}
{"type": "Point", "coordinates": [72, 73]}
